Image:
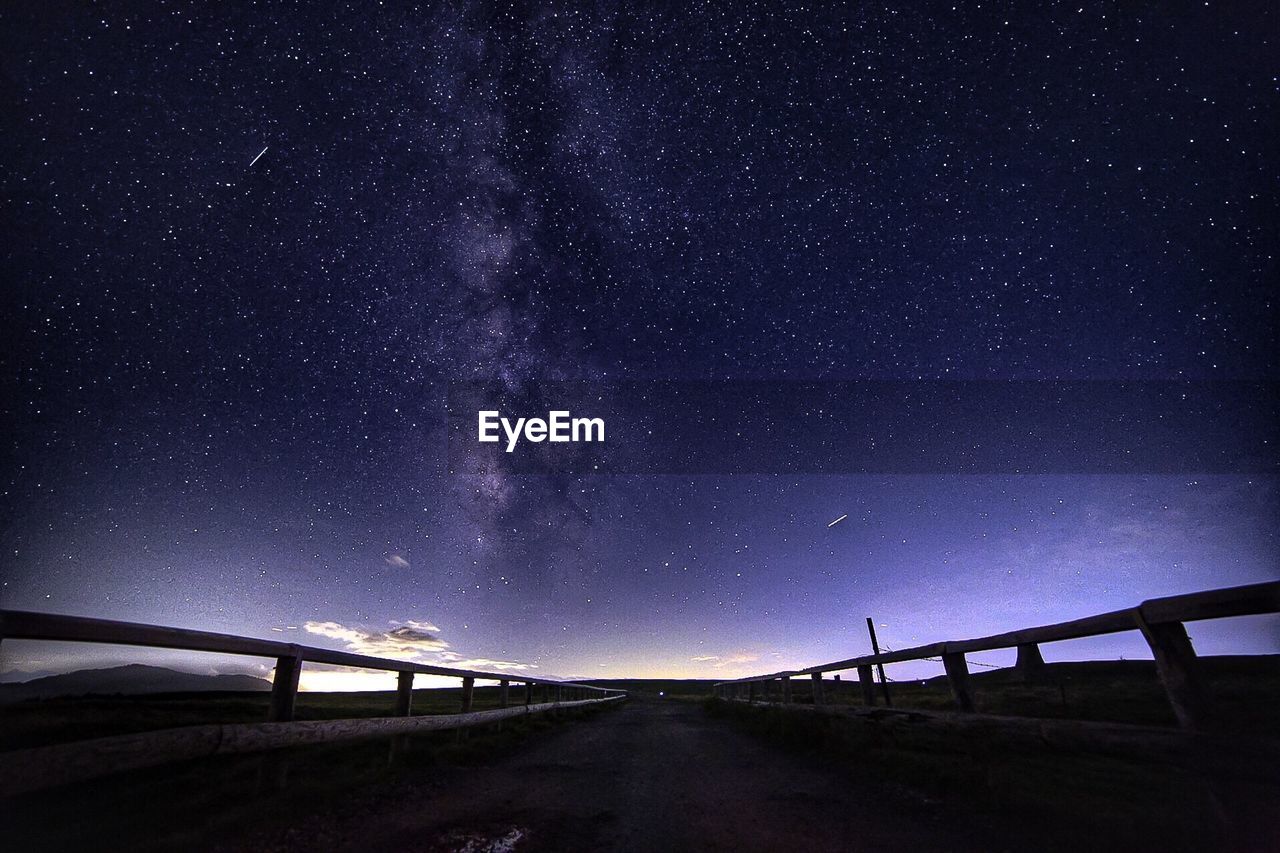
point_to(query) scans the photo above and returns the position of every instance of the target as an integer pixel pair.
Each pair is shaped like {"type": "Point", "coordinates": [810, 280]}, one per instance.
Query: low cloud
{"type": "Point", "coordinates": [395, 561]}
{"type": "Point", "coordinates": [735, 659]}
{"type": "Point", "coordinates": [453, 659]}
{"type": "Point", "coordinates": [410, 640]}
{"type": "Point", "coordinates": [406, 641]}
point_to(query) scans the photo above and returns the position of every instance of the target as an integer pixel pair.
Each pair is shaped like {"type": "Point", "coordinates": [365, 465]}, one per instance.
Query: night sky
{"type": "Point", "coordinates": [249, 248]}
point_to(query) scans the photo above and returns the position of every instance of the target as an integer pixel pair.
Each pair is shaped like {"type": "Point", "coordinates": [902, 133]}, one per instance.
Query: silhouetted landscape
{"type": "Point", "coordinates": [129, 678]}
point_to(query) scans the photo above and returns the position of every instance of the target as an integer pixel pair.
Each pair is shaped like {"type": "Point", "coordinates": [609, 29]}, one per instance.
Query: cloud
{"type": "Point", "coordinates": [485, 663]}
{"type": "Point", "coordinates": [410, 640]}
{"type": "Point", "coordinates": [406, 641]}
{"type": "Point", "coordinates": [735, 659]}
{"type": "Point", "coordinates": [395, 561]}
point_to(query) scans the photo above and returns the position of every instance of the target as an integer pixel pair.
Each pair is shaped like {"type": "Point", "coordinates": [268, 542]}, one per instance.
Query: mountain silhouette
{"type": "Point", "coordinates": [131, 678]}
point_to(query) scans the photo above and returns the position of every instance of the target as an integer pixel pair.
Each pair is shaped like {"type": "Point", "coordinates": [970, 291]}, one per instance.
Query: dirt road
{"type": "Point", "coordinates": [651, 776]}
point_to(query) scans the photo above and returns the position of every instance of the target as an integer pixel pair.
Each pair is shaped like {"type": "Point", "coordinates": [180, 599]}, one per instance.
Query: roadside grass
{"type": "Point", "coordinates": [1052, 799]}
{"type": "Point", "coordinates": [1244, 687]}
{"type": "Point", "coordinates": [189, 805]}
{"type": "Point", "coordinates": [42, 722]}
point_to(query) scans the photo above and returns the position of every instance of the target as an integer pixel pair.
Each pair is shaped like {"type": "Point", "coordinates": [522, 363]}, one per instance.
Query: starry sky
{"type": "Point", "coordinates": [251, 249]}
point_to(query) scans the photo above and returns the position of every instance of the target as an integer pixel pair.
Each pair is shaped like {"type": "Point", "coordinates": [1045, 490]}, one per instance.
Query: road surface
{"type": "Point", "coordinates": [653, 775]}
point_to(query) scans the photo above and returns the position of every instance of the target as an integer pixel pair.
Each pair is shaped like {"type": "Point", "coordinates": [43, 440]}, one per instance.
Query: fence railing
{"type": "Point", "coordinates": [31, 769]}
{"type": "Point", "coordinates": [1159, 619]}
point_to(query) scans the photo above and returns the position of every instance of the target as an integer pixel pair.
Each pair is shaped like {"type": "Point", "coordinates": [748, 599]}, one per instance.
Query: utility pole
{"type": "Point", "coordinates": [875, 648]}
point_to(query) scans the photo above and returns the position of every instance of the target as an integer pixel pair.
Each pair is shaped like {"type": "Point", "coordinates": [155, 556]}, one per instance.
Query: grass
{"type": "Point", "coordinates": [1244, 687]}
{"type": "Point", "coordinates": [1050, 795]}
{"type": "Point", "coordinates": [181, 806]}
{"type": "Point", "coordinates": [43, 722]}
{"type": "Point", "coordinates": [1061, 800]}
{"type": "Point", "coordinates": [1039, 800]}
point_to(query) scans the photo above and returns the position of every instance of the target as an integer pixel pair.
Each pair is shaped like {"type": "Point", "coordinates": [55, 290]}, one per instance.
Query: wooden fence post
{"type": "Point", "coordinates": [504, 693]}
{"type": "Point", "coordinates": [868, 685]}
{"type": "Point", "coordinates": [404, 694]}
{"type": "Point", "coordinates": [468, 693]}
{"type": "Point", "coordinates": [284, 688]}
{"type": "Point", "coordinates": [816, 678]}
{"type": "Point", "coordinates": [875, 648]}
{"type": "Point", "coordinates": [751, 691]}
{"type": "Point", "coordinates": [1179, 670]}
{"type": "Point", "coordinates": [528, 693]}
{"type": "Point", "coordinates": [958, 676]}
{"type": "Point", "coordinates": [786, 690]}
{"type": "Point", "coordinates": [1030, 662]}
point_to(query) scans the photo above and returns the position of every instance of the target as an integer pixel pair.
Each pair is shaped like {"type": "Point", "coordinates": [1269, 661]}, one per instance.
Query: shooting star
{"type": "Point", "coordinates": [838, 520]}
{"type": "Point", "coordinates": [259, 157]}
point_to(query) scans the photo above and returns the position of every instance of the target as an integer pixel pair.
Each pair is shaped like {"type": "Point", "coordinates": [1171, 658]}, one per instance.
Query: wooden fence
{"type": "Point", "coordinates": [1159, 619]}
{"type": "Point", "coordinates": [32, 769]}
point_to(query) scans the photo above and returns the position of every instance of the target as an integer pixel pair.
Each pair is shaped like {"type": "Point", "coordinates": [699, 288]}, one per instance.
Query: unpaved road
{"type": "Point", "coordinates": [650, 776]}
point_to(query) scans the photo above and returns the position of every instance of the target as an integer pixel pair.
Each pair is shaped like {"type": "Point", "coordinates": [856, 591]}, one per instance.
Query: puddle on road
{"type": "Point", "coordinates": [506, 840]}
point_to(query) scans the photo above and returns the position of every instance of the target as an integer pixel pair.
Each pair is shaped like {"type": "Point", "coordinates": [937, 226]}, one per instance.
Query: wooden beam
{"type": "Point", "coordinates": [1030, 662]}
{"type": "Point", "coordinates": [880, 662]}
{"type": "Point", "coordinates": [284, 689]}
{"type": "Point", "coordinates": [25, 770]}
{"type": "Point", "coordinates": [468, 693]}
{"type": "Point", "coordinates": [404, 694]}
{"type": "Point", "coordinates": [958, 676]}
{"type": "Point", "coordinates": [868, 685]}
{"type": "Point", "coordinates": [26, 625]}
{"type": "Point", "coordinates": [1179, 670]}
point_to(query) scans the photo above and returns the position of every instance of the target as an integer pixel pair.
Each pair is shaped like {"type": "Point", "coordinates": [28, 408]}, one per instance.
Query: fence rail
{"type": "Point", "coordinates": [26, 770]}
{"type": "Point", "coordinates": [1159, 619]}
{"type": "Point", "coordinates": [26, 625]}
{"type": "Point", "coordinates": [32, 769]}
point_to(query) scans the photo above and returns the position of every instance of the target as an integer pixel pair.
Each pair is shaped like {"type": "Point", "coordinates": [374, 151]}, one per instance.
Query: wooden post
{"type": "Point", "coordinates": [404, 694]}
{"type": "Point", "coordinates": [958, 676]}
{"type": "Point", "coordinates": [751, 691]}
{"type": "Point", "coordinates": [868, 685]}
{"type": "Point", "coordinates": [786, 691]}
{"type": "Point", "coordinates": [816, 678]}
{"type": "Point", "coordinates": [284, 688]}
{"type": "Point", "coordinates": [1030, 662]}
{"type": "Point", "coordinates": [1179, 670]}
{"type": "Point", "coordinates": [528, 693]}
{"type": "Point", "coordinates": [875, 648]}
{"type": "Point", "coordinates": [504, 693]}
{"type": "Point", "coordinates": [468, 693]}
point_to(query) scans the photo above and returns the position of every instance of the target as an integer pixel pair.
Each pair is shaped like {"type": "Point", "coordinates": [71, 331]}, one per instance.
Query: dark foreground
{"type": "Point", "coordinates": [652, 775]}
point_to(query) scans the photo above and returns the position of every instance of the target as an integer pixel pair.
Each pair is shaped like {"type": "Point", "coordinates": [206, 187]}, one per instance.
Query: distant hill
{"type": "Point", "coordinates": [131, 678]}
